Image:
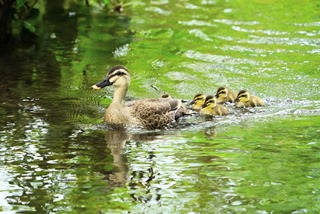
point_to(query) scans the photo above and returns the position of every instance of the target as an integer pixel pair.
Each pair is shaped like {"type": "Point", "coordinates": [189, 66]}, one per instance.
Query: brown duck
{"type": "Point", "coordinates": [147, 113]}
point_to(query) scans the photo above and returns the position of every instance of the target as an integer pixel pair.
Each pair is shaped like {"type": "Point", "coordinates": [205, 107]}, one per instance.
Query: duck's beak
{"type": "Point", "coordinates": [236, 100]}
{"type": "Point", "coordinates": [102, 84]}
{"type": "Point", "coordinates": [95, 87]}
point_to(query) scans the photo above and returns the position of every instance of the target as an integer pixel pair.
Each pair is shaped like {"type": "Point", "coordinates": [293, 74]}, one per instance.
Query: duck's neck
{"type": "Point", "coordinates": [119, 95]}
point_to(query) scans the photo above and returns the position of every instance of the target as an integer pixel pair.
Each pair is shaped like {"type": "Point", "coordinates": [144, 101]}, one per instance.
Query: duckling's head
{"type": "Point", "coordinates": [198, 101]}
{"type": "Point", "coordinates": [117, 76]}
{"type": "Point", "coordinates": [243, 96]}
{"type": "Point", "coordinates": [166, 96]}
{"type": "Point", "coordinates": [210, 102]}
{"type": "Point", "coordinates": [222, 92]}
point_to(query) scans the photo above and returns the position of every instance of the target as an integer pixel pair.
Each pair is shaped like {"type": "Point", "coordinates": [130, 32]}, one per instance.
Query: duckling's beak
{"type": "Point", "coordinates": [236, 100]}
{"type": "Point", "coordinates": [102, 84]}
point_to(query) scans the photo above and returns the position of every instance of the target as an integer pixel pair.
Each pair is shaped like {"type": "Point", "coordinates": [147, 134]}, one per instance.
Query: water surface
{"type": "Point", "coordinates": [58, 157]}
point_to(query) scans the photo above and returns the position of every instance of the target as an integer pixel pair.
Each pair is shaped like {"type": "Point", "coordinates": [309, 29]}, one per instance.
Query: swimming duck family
{"type": "Point", "coordinates": [157, 113]}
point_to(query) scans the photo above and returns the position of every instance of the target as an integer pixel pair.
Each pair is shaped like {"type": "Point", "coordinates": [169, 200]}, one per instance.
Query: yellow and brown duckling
{"type": "Point", "coordinates": [197, 102]}
{"type": "Point", "coordinates": [244, 99]}
{"type": "Point", "coordinates": [210, 107]}
{"type": "Point", "coordinates": [224, 95]}
{"type": "Point", "coordinates": [148, 113]}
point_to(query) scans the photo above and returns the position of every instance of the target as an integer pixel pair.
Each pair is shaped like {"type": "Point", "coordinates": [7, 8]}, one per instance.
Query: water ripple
{"type": "Point", "coordinates": [234, 22]}
{"type": "Point", "coordinates": [196, 23]}
{"type": "Point", "coordinates": [218, 58]}
{"type": "Point", "coordinates": [281, 41]}
{"type": "Point", "coordinates": [310, 24]}
{"type": "Point", "coordinates": [200, 34]}
{"type": "Point", "coordinates": [267, 32]}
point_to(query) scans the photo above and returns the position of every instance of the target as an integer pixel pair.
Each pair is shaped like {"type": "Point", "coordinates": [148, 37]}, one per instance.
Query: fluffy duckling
{"type": "Point", "coordinates": [224, 95]}
{"type": "Point", "coordinates": [147, 113]}
{"type": "Point", "coordinates": [197, 102]}
{"type": "Point", "coordinates": [244, 99]}
{"type": "Point", "coordinates": [210, 107]}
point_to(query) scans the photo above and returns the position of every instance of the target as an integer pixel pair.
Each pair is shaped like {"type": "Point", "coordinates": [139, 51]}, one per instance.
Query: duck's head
{"type": "Point", "coordinates": [243, 96]}
{"type": "Point", "coordinates": [210, 102]}
{"type": "Point", "coordinates": [198, 101]}
{"type": "Point", "coordinates": [222, 92]}
{"type": "Point", "coordinates": [117, 76]}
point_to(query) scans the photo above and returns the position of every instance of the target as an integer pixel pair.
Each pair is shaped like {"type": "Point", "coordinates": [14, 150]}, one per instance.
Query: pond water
{"type": "Point", "coordinates": [58, 157]}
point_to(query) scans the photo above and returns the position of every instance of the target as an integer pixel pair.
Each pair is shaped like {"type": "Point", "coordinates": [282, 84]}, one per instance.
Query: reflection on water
{"type": "Point", "coordinates": [116, 141]}
{"type": "Point", "coordinates": [57, 157]}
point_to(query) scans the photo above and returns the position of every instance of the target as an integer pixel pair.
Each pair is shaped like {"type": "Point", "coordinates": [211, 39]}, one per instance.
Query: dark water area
{"type": "Point", "coordinates": [57, 156]}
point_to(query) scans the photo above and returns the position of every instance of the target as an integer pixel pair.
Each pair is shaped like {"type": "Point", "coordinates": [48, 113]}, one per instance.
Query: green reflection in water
{"type": "Point", "coordinates": [56, 156]}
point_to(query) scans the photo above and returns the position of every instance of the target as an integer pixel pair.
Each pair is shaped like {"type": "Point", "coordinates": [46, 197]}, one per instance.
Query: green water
{"type": "Point", "coordinates": [57, 157]}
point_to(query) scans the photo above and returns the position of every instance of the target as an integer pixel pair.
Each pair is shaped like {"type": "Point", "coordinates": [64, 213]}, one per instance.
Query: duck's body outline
{"type": "Point", "coordinates": [154, 113]}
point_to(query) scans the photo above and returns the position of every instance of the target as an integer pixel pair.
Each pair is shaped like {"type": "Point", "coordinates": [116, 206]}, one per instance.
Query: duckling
{"type": "Point", "coordinates": [224, 95]}
{"type": "Point", "coordinates": [147, 113]}
{"type": "Point", "coordinates": [210, 107]}
{"type": "Point", "coordinates": [197, 102]}
{"type": "Point", "coordinates": [244, 99]}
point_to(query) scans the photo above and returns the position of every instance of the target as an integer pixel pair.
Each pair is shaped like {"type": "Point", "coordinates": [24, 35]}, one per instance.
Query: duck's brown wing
{"type": "Point", "coordinates": [155, 113]}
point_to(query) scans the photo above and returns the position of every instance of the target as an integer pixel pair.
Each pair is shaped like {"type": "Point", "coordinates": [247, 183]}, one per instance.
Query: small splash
{"type": "Point", "coordinates": [200, 34]}
{"type": "Point", "coordinates": [121, 51]}
{"type": "Point", "coordinates": [227, 10]}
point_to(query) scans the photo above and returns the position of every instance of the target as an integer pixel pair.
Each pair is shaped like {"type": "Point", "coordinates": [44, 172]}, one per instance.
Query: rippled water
{"type": "Point", "coordinates": [57, 156]}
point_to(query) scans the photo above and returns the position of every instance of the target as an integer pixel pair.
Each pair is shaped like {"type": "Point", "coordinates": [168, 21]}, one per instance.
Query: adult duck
{"type": "Point", "coordinates": [154, 113]}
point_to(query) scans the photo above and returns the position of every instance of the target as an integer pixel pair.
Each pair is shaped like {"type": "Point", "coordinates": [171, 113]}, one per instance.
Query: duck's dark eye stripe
{"type": "Point", "coordinates": [119, 73]}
